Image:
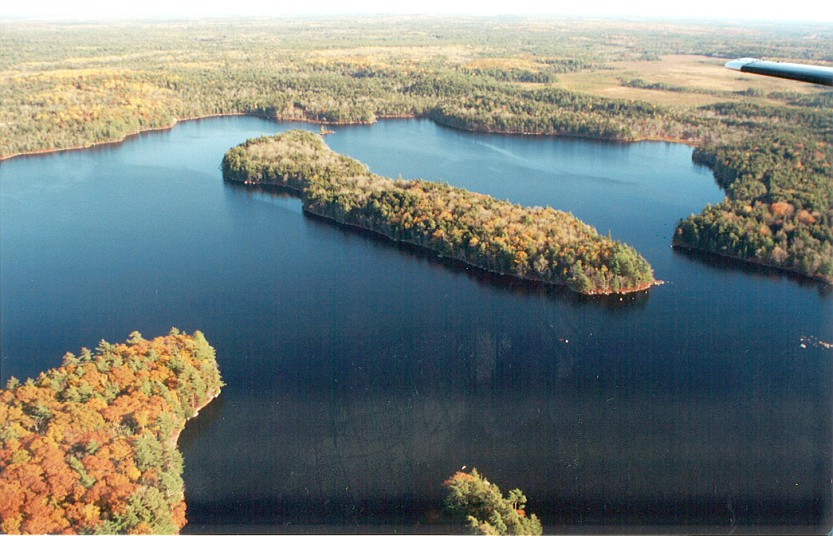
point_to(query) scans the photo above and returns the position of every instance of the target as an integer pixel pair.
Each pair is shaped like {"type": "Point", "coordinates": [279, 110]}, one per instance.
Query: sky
{"type": "Point", "coordinates": [776, 10]}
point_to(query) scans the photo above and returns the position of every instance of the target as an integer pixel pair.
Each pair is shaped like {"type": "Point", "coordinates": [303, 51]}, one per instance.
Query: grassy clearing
{"type": "Point", "coordinates": [705, 80]}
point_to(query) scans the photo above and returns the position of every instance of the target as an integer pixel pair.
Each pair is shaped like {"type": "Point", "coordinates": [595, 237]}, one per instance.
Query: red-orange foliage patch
{"type": "Point", "coordinates": [69, 440]}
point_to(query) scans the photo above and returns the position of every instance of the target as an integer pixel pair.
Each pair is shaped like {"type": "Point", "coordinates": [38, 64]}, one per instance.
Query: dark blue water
{"type": "Point", "coordinates": [361, 374]}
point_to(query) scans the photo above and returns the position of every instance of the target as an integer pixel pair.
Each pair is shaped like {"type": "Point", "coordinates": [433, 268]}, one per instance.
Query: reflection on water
{"type": "Point", "coordinates": [362, 373]}
{"type": "Point", "coordinates": [375, 444]}
{"type": "Point", "coordinates": [730, 265]}
{"type": "Point", "coordinates": [282, 197]}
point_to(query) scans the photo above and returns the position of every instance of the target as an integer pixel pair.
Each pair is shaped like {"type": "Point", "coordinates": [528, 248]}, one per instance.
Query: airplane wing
{"type": "Point", "coordinates": [815, 74]}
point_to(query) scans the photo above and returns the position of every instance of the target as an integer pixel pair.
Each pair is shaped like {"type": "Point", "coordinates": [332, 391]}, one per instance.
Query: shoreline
{"type": "Point", "coordinates": [295, 191]}
{"type": "Point", "coordinates": [675, 243]}
{"type": "Point", "coordinates": [43, 152]}
{"type": "Point", "coordinates": [174, 439]}
{"type": "Point", "coordinates": [757, 262]}
{"type": "Point", "coordinates": [278, 119]}
{"type": "Point", "coordinates": [629, 290]}
{"type": "Point", "coordinates": [173, 444]}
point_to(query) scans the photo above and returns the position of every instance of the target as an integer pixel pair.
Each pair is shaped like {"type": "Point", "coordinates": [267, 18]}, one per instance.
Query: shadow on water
{"type": "Point", "coordinates": [728, 264]}
{"type": "Point", "coordinates": [384, 515]}
{"type": "Point", "coordinates": [485, 278]}
{"type": "Point", "coordinates": [275, 191]}
{"type": "Point", "coordinates": [196, 426]}
{"type": "Point", "coordinates": [358, 380]}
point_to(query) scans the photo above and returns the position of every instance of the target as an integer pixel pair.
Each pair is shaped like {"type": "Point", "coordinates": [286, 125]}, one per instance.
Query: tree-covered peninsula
{"type": "Point", "coordinates": [536, 243]}
{"type": "Point", "coordinates": [90, 447]}
{"type": "Point", "coordinates": [69, 86]}
{"type": "Point", "coordinates": [778, 209]}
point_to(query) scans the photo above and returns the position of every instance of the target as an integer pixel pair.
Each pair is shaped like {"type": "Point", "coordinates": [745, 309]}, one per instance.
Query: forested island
{"type": "Point", "coordinates": [540, 244]}
{"type": "Point", "coordinates": [90, 447]}
{"type": "Point", "coordinates": [608, 80]}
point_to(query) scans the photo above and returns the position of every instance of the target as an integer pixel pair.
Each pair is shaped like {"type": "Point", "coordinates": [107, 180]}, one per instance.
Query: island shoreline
{"type": "Point", "coordinates": [328, 219]}
{"type": "Point", "coordinates": [326, 202]}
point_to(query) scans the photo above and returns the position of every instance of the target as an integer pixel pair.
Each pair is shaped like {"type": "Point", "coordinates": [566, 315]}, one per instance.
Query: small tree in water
{"type": "Point", "coordinates": [485, 508]}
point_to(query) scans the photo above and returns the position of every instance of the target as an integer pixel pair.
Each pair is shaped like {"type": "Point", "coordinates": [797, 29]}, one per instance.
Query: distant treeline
{"type": "Point", "coordinates": [71, 86]}
{"type": "Point", "coordinates": [535, 243]}
{"type": "Point", "coordinates": [90, 447]}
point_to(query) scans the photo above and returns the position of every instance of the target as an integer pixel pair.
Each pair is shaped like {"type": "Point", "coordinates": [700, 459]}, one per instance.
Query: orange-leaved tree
{"type": "Point", "coordinates": [91, 446]}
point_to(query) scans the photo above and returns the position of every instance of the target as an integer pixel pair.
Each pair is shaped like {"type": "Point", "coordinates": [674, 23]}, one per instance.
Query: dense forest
{"type": "Point", "coordinates": [68, 85]}
{"type": "Point", "coordinates": [779, 205]}
{"type": "Point", "coordinates": [535, 243]}
{"type": "Point", "coordinates": [90, 447]}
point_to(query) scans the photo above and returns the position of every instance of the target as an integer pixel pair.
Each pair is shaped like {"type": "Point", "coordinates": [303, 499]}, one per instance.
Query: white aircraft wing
{"type": "Point", "coordinates": [815, 74]}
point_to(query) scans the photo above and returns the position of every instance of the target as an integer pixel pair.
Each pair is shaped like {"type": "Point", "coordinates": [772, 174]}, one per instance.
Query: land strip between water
{"type": "Point", "coordinates": [614, 81]}
{"type": "Point", "coordinates": [533, 243]}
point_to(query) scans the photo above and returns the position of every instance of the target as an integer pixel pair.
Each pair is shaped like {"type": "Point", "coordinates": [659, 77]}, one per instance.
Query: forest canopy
{"type": "Point", "coordinates": [90, 446]}
{"type": "Point", "coordinates": [67, 86]}
{"type": "Point", "coordinates": [536, 243]}
{"type": "Point", "coordinates": [484, 507]}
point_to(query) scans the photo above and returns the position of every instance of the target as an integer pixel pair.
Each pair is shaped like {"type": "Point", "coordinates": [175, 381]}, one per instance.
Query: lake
{"type": "Point", "coordinates": [361, 373]}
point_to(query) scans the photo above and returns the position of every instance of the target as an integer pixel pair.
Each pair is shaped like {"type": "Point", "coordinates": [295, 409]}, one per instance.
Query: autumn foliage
{"type": "Point", "coordinates": [541, 244]}
{"type": "Point", "coordinates": [779, 205]}
{"type": "Point", "coordinates": [91, 446]}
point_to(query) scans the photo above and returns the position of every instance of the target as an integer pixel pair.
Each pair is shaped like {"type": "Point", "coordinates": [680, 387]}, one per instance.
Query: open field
{"type": "Point", "coordinates": [692, 80]}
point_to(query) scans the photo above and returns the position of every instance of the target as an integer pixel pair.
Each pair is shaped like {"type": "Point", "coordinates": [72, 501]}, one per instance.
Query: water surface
{"type": "Point", "coordinates": [361, 374]}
